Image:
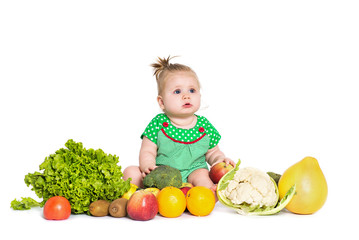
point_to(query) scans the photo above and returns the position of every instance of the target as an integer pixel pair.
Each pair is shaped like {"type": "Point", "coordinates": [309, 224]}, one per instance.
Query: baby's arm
{"type": "Point", "coordinates": [148, 153]}
{"type": "Point", "coordinates": [215, 155]}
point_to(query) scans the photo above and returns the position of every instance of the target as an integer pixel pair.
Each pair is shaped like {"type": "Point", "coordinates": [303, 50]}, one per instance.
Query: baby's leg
{"type": "Point", "coordinates": [135, 174]}
{"type": "Point", "coordinates": [200, 177]}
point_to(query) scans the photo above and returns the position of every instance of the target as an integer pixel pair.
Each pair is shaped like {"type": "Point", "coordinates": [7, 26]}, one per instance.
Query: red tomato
{"type": "Point", "coordinates": [57, 208]}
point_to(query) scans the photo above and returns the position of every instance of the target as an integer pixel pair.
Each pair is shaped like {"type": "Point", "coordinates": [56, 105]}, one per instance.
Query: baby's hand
{"type": "Point", "coordinates": [226, 160]}
{"type": "Point", "coordinates": [148, 170]}
{"type": "Point", "coordinates": [230, 161]}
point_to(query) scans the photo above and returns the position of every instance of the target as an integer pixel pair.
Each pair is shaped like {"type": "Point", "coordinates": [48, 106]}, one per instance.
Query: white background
{"type": "Point", "coordinates": [279, 81]}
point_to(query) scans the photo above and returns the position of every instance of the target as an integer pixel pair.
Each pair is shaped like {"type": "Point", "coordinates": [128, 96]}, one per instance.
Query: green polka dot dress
{"type": "Point", "coordinates": [186, 136]}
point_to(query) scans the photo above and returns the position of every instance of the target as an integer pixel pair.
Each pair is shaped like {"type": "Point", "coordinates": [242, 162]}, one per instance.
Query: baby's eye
{"type": "Point", "coordinates": [192, 90]}
{"type": "Point", "coordinates": [177, 91]}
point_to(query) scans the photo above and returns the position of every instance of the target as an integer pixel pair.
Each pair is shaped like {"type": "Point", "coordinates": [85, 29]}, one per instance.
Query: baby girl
{"type": "Point", "coordinates": [178, 137]}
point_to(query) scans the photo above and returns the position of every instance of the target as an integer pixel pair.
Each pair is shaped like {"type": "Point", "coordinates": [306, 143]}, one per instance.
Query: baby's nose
{"type": "Point", "coordinates": [185, 96]}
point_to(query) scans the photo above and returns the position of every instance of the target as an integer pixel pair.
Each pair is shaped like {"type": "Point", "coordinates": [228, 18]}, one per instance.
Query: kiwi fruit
{"type": "Point", "coordinates": [99, 208]}
{"type": "Point", "coordinates": [118, 207]}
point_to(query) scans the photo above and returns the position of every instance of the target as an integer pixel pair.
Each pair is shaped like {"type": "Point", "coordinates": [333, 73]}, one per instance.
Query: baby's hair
{"type": "Point", "coordinates": [163, 67]}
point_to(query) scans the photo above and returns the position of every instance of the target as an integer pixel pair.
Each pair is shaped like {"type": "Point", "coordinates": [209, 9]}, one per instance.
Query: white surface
{"type": "Point", "coordinates": [222, 222]}
{"type": "Point", "coordinates": [279, 83]}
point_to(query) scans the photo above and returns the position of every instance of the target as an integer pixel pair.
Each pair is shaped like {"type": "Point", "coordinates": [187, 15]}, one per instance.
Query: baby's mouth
{"type": "Point", "coordinates": [187, 105]}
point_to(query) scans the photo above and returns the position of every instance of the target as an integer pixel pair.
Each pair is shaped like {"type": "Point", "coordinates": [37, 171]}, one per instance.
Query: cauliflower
{"type": "Point", "coordinates": [253, 187]}
{"type": "Point", "coordinates": [250, 191]}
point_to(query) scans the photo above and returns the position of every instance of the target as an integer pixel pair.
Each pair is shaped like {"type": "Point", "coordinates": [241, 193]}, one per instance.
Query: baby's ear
{"type": "Point", "coordinates": [160, 102]}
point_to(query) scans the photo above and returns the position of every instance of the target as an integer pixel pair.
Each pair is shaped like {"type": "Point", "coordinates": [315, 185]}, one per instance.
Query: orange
{"type": "Point", "coordinates": [311, 186]}
{"type": "Point", "coordinates": [200, 201]}
{"type": "Point", "coordinates": [171, 202]}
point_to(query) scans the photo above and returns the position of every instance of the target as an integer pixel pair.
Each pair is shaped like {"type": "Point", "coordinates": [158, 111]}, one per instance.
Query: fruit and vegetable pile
{"type": "Point", "coordinates": [77, 180]}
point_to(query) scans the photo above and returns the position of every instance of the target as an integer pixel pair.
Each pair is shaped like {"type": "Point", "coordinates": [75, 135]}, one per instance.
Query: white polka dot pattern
{"type": "Point", "coordinates": [184, 135]}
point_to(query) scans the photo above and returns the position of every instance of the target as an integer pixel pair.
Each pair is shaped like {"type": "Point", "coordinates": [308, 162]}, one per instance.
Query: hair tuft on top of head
{"type": "Point", "coordinates": [161, 64]}
{"type": "Point", "coordinates": [162, 67]}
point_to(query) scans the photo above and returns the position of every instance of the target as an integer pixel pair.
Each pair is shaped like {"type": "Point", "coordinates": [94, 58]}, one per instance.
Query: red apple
{"type": "Point", "coordinates": [185, 190]}
{"type": "Point", "coordinates": [154, 191]}
{"type": "Point", "coordinates": [218, 171]}
{"type": "Point", "coordinates": [142, 206]}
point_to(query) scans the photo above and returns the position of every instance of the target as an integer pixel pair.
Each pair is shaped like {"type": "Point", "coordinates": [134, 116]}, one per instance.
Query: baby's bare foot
{"type": "Point", "coordinates": [214, 190]}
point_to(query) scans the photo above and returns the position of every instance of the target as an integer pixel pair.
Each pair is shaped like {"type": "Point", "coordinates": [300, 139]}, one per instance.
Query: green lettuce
{"type": "Point", "coordinates": [80, 175]}
{"type": "Point", "coordinates": [25, 203]}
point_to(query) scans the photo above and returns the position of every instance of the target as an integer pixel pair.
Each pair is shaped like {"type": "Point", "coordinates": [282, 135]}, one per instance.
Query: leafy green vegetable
{"type": "Point", "coordinates": [275, 176]}
{"type": "Point", "coordinates": [80, 175]}
{"type": "Point", "coordinates": [25, 203]}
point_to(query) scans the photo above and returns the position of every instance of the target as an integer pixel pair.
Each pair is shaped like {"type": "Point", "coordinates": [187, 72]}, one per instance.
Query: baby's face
{"type": "Point", "coordinates": [181, 95]}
